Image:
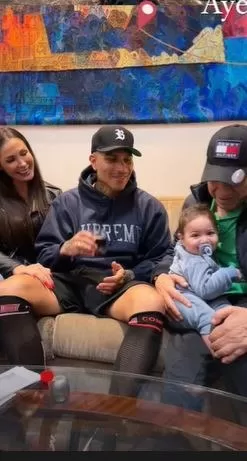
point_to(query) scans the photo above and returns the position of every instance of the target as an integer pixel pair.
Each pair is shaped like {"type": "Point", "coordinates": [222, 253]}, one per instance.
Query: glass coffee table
{"type": "Point", "coordinates": [89, 418]}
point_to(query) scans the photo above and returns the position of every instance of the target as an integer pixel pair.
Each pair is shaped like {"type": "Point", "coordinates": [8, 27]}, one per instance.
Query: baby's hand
{"type": "Point", "coordinates": [239, 275]}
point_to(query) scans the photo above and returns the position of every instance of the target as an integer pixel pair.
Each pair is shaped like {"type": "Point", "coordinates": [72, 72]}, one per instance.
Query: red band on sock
{"type": "Point", "coordinates": [152, 320]}
{"type": "Point", "coordinates": [7, 308]}
{"type": "Point", "coordinates": [12, 308]}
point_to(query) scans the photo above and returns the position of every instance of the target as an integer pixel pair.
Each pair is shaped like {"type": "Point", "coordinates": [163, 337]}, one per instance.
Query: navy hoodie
{"type": "Point", "coordinates": [135, 224]}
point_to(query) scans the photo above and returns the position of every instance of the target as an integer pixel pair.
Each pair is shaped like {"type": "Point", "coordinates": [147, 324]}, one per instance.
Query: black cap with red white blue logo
{"type": "Point", "coordinates": [227, 156]}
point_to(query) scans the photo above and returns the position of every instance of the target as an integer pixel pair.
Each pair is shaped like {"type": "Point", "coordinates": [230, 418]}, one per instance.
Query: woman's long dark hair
{"type": "Point", "coordinates": [16, 226]}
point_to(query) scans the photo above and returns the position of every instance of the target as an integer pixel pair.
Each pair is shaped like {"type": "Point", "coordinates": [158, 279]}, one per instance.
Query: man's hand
{"type": "Point", "coordinates": [229, 339]}
{"type": "Point", "coordinates": [111, 284]}
{"type": "Point", "coordinates": [38, 271]}
{"type": "Point", "coordinates": [81, 244]}
{"type": "Point", "coordinates": [165, 285]}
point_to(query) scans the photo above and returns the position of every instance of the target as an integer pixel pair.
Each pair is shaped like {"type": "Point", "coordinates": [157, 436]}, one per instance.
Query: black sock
{"type": "Point", "coordinates": [19, 335]}
{"type": "Point", "coordinates": [138, 352]}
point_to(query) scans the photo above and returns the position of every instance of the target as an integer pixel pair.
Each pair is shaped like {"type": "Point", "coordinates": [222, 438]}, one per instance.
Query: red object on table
{"type": "Point", "coordinates": [46, 376]}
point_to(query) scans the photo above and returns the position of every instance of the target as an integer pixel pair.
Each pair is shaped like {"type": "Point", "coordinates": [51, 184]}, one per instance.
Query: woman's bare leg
{"type": "Point", "coordinates": [20, 296]}
{"type": "Point", "coordinates": [42, 300]}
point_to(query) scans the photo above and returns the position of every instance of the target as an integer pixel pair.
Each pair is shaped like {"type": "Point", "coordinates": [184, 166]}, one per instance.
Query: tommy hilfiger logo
{"type": "Point", "coordinates": [227, 149]}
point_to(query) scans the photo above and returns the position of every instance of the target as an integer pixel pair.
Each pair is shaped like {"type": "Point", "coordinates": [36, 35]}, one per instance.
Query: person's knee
{"type": "Point", "coordinates": [17, 285]}
{"type": "Point", "coordinates": [145, 297]}
{"type": "Point", "coordinates": [139, 298]}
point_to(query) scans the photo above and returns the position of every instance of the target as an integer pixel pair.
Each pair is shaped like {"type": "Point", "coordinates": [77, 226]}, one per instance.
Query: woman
{"type": "Point", "coordinates": [224, 190]}
{"type": "Point", "coordinates": [24, 201]}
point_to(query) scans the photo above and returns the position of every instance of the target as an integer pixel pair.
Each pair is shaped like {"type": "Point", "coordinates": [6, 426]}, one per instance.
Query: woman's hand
{"type": "Point", "coordinates": [81, 244]}
{"type": "Point", "coordinates": [165, 285]}
{"type": "Point", "coordinates": [111, 284]}
{"type": "Point", "coordinates": [38, 271]}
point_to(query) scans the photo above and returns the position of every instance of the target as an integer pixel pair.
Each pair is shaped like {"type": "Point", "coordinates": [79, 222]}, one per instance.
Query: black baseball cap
{"type": "Point", "coordinates": [227, 156]}
{"type": "Point", "coordinates": [113, 137]}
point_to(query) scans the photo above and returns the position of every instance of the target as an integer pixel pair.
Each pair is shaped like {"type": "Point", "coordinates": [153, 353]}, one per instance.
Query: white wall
{"type": "Point", "coordinates": [173, 155]}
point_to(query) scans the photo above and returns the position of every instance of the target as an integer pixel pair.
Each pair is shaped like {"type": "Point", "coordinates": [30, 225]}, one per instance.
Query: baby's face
{"type": "Point", "coordinates": [197, 232]}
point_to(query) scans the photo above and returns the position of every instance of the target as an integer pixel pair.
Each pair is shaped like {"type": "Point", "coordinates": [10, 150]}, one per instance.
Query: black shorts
{"type": "Point", "coordinates": [76, 291]}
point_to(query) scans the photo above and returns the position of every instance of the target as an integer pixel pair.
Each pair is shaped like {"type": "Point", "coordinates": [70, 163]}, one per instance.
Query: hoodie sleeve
{"type": "Point", "coordinates": [56, 229]}
{"type": "Point", "coordinates": [207, 283]}
{"type": "Point", "coordinates": [156, 240]}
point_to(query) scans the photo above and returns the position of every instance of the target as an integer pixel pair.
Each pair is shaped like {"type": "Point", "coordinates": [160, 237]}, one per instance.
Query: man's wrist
{"type": "Point", "coordinates": [64, 249]}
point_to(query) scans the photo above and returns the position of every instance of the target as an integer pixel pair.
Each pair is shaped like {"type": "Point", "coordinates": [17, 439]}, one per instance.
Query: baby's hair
{"type": "Point", "coordinates": [188, 214]}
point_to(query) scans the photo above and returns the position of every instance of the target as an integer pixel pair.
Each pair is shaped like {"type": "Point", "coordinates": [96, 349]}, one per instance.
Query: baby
{"type": "Point", "coordinates": [207, 282]}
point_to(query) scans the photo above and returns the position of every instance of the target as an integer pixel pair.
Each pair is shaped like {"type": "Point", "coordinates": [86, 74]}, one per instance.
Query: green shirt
{"type": "Point", "coordinates": [226, 251]}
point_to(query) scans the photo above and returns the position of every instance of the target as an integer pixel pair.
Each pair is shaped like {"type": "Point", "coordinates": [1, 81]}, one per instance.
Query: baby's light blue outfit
{"type": "Point", "coordinates": [207, 283]}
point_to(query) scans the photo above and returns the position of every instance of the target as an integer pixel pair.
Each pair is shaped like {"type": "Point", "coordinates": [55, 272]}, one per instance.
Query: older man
{"type": "Point", "coordinates": [224, 189]}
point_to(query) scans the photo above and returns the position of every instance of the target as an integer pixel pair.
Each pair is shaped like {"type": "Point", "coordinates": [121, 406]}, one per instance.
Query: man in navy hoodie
{"type": "Point", "coordinates": [110, 279]}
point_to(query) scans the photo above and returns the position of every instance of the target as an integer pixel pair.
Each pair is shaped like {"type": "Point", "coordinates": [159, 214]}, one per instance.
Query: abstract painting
{"type": "Point", "coordinates": [71, 62]}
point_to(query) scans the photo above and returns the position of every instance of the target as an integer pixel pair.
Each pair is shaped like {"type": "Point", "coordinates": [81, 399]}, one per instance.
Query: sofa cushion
{"type": "Point", "coordinates": [87, 337]}
{"type": "Point", "coordinates": [82, 336]}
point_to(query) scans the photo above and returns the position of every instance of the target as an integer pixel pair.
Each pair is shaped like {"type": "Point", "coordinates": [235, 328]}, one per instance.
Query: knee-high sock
{"type": "Point", "coordinates": [139, 350]}
{"type": "Point", "coordinates": [19, 335]}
